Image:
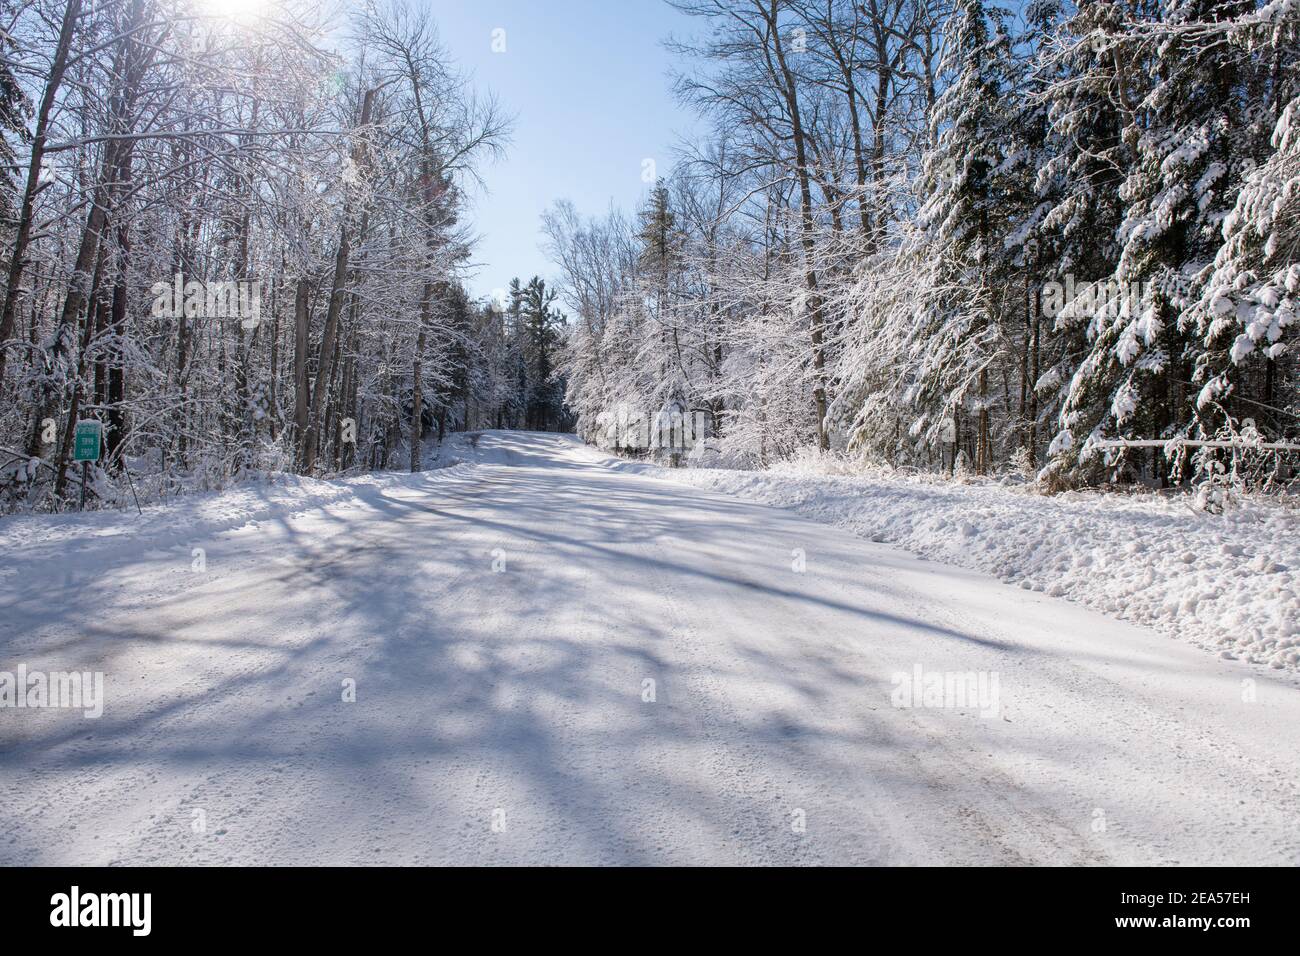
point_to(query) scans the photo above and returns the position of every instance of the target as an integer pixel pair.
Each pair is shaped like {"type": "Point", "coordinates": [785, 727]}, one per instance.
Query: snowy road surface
{"type": "Point", "coordinates": [501, 622]}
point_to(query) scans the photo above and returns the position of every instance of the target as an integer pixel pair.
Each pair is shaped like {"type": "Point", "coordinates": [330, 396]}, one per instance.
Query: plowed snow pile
{"type": "Point", "coordinates": [1227, 582]}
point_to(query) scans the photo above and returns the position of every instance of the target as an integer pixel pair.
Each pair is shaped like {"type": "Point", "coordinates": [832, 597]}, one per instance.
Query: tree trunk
{"type": "Point", "coordinates": [301, 397]}
{"type": "Point", "coordinates": [17, 262]}
{"type": "Point", "coordinates": [417, 399]}
{"type": "Point", "coordinates": [334, 309]}
{"type": "Point", "coordinates": [816, 321]}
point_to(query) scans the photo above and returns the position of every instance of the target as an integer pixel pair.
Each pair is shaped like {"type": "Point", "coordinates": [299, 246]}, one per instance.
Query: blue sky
{"type": "Point", "coordinates": [587, 81]}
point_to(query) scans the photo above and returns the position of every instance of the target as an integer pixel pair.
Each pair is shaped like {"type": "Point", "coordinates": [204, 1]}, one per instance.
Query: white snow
{"type": "Point", "coordinates": [502, 621]}
{"type": "Point", "coordinates": [1229, 583]}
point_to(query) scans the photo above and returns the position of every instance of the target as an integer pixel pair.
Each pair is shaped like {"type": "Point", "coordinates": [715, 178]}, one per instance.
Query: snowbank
{"type": "Point", "coordinates": [32, 544]}
{"type": "Point", "coordinates": [1230, 583]}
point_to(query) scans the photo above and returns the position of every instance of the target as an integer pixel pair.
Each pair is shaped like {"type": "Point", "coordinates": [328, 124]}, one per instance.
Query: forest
{"type": "Point", "coordinates": [950, 237]}
{"type": "Point", "coordinates": [957, 237]}
{"type": "Point", "coordinates": [239, 243]}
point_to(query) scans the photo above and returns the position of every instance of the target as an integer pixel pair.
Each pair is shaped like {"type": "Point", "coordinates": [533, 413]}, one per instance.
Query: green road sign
{"type": "Point", "coordinates": [86, 441]}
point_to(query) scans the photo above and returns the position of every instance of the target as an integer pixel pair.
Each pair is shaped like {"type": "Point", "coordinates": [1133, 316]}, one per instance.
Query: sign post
{"type": "Point", "coordinates": [87, 441]}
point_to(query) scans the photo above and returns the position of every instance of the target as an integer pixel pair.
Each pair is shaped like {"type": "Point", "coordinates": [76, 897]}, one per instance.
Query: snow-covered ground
{"type": "Point", "coordinates": [1229, 583]}
{"type": "Point", "coordinates": [559, 658]}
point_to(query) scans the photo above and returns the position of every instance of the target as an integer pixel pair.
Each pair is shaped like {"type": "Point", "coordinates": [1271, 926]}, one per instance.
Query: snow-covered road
{"type": "Point", "coordinates": [502, 622]}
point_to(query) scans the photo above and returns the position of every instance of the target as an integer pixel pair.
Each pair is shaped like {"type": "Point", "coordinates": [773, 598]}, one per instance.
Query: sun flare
{"type": "Point", "coordinates": [233, 9]}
